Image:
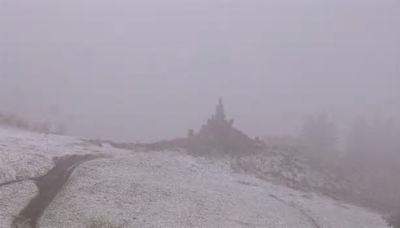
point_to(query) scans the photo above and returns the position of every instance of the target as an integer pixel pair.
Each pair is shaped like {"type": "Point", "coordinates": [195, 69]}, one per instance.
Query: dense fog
{"type": "Point", "coordinates": [199, 113]}
{"type": "Point", "coordinates": [147, 70]}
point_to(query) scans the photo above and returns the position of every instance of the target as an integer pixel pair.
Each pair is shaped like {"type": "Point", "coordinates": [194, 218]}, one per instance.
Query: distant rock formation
{"type": "Point", "coordinates": [219, 137]}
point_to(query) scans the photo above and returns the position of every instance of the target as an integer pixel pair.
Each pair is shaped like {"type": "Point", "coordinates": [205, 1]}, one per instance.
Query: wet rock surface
{"type": "Point", "coordinates": [49, 185]}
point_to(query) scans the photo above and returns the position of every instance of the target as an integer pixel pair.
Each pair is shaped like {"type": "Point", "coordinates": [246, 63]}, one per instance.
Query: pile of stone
{"type": "Point", "coordinates": [219, 137]}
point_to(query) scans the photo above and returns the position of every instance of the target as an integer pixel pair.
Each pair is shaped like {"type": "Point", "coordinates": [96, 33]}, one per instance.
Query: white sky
{"type": "Point", "coordinates": [151, 69]}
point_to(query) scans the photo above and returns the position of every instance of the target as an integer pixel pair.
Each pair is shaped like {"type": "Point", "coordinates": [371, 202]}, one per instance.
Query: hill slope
{"type": "Point", "coordinates": [156, 189]}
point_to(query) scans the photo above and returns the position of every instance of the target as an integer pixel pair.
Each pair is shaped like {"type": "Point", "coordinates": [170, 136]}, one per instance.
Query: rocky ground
{"type": "Point", "coordinates": [155, 189]}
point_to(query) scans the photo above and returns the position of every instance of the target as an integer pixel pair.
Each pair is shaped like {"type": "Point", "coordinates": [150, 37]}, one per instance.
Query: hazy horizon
{"type": "Point", "coordinates": [149, 70]}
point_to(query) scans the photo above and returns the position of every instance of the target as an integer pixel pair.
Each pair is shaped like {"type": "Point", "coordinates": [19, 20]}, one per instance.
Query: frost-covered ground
{"type": "Point", "coordinates": [24, 155]}
{"type": "Point", "coordinates": [158, 189]}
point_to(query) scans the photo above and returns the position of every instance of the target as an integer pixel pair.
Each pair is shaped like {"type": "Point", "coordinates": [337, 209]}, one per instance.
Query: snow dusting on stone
{"type": "Point", "coordinates": [157, 189]}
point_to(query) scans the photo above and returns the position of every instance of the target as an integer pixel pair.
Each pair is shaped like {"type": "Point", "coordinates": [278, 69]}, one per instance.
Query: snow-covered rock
{"type": "Point", "coordinates": [157, 189]}
{"type": "Point", "coordinates": [13, 199]}
{"type": "Point", "coordinates": [284, 168]}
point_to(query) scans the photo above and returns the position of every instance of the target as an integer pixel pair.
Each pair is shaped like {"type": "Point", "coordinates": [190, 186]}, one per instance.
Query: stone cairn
{"type": "Point", "coordinates": [219, 137]}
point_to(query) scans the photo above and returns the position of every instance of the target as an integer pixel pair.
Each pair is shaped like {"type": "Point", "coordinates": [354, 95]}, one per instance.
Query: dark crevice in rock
{"type": "Point", "coordinates": [49, 185]}
{"type": "Point", "coordinates": [14, 182]}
